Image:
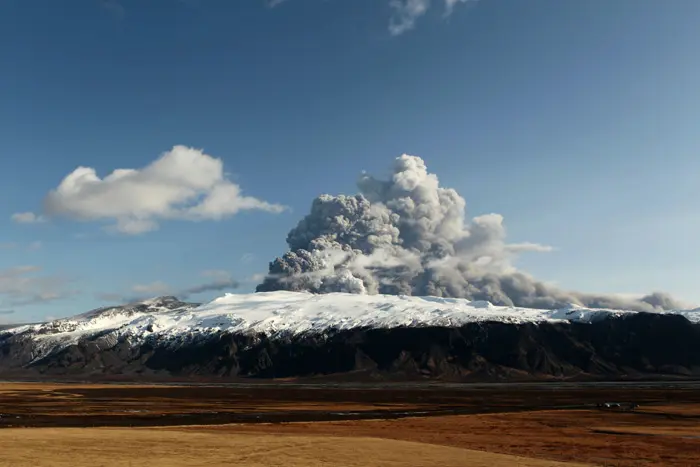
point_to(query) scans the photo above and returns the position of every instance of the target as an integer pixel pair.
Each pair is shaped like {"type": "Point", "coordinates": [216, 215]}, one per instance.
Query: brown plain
{"type": "Point", "coordinates": [154, 447]}
{"type": "Point", "coordinates": [519, 431]}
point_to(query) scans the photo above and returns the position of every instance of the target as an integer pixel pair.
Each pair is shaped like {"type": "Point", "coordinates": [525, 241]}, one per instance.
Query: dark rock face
{"type": "Point", "coordinates": [641, 345]}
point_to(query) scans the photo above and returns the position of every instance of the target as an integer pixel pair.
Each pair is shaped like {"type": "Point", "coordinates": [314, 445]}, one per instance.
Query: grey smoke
{"type": "Point", "coordinates": [214, 286]}
{"type": "Point", "coordinates": [139, 293]}
{"type": "Point", "coordinates": [407, 235]}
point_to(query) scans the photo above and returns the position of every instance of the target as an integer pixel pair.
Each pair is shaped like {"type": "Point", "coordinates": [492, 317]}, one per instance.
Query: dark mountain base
{"type": "Point", "coordinates": [637, 346]}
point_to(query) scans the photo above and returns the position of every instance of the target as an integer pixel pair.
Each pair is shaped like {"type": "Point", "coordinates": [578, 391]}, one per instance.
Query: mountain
{"type": "Point", "coordinates": [291, 334]}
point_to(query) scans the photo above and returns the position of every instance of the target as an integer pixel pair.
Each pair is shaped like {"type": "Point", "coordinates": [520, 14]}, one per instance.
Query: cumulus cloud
{"type": "Point", "coordinates": [217, 281]}
{"type": "Point", "coordinates": [182, 184]}
{"type": "Point", "coordinates": [23, 285]}
{"type": "Point", "coordinates": [408, 235]}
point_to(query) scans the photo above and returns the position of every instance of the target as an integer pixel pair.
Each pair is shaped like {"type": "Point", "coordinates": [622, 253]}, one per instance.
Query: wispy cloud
{"type": "Point", "coordinates": [32, 246]}
{"type": "Point", "coordinates": [24, 285]}
{"type": "Point", "coordinates": [114, 7]}
{"type": "Point", "coordinates": [218, 281]}
{"type": "Point", "coordinates": [247, 258]}
{"type": "Point", "coordinates": [450, 4]}
{"type": "Point", "coordinates": [273, 3]}
{"type": "Point", "coordinates": [27, 218]}
{"type": "Point", "coordinates": [257, 278]}
{"type": "Point", "coordinates": [404, 13]}
{"type": "Point", "coordinates": [154, 289]}
{"type": "Point", "coordinates": [111, 297]}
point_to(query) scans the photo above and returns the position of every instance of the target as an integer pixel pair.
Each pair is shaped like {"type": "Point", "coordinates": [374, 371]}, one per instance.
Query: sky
{"type": "Point", "coordinates": [158, 147]}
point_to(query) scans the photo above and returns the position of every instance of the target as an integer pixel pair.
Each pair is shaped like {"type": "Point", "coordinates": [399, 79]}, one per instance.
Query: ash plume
{"type": "Point", "coordinates": [409, 236]}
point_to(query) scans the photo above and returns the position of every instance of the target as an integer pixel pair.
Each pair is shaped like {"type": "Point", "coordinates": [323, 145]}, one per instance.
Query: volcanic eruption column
{"type": "Point", "coordinates": [409, 236]}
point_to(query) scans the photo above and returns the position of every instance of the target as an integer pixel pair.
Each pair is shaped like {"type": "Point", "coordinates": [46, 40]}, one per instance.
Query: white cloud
{"type": "Point", "coordinates": [27, 218]}
{"type": "Point", "coordinates": [21, 285]}
{"type": "Point", "coordinates": [405, 14]}
{"type": "Point", "coordinates": [183, 184]}
{"type": "Point", "coordinates": [450, 5]}
{"type": "Point", "coordinates": [528, 247]}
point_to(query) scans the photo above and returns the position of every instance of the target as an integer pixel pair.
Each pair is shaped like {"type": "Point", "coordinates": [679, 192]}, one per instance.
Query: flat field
{"type": "Point", "coordinates": [551, 424]}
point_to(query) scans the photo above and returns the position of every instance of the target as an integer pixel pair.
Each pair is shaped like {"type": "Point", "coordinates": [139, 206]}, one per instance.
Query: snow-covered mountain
{"type": "Point", "coordinates": [166, 322]}
{"type": "Point", "coordinates": [284, 312]}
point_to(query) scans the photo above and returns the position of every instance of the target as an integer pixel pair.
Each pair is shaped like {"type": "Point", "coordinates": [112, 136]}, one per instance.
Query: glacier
{"type": "Point", "coordinates": [295, 313]}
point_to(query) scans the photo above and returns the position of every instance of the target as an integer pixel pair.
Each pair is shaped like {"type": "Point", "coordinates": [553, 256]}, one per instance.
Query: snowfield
{"type": "Point", "coordinates": [284, 313]}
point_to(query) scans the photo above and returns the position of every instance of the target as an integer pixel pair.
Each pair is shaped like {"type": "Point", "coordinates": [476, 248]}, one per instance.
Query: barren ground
{"type": "Point", "coordinates": [154, 447]}
{"type": "Point", "coordinates": [253, 425]}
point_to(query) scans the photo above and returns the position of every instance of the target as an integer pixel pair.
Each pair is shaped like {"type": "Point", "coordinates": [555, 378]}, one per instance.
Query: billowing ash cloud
{"type": "Point", "coordinates": [408, 235]}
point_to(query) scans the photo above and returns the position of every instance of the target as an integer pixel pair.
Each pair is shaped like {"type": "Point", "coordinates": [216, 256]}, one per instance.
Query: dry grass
{"type": "Point", "coordinates": [67, 399]}
{"type": "Point", "coordinates": [566, 436]}
{"type": "Point", "coordinates": [662, 432]}
{"type": "Point", "coordinates": [6, 387]}
{"type": "Point", "coordinates": [682, 410]}
{"type": "Point", "coordinates": [92, 447]}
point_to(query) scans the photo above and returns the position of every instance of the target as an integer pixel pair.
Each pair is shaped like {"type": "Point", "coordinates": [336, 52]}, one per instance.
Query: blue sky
{"type": "Point", "coordinates": [576, 120]}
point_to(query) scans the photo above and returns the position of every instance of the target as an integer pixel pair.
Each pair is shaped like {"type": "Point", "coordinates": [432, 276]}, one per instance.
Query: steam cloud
{"type": "Point", "coordinates": [409, 236]}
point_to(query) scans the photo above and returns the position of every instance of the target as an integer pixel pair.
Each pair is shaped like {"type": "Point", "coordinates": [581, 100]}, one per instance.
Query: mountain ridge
{"type": "Point", "coordinates": [289, 334]}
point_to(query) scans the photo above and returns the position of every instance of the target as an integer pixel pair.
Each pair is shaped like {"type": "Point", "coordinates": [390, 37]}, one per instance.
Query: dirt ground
{"type": "Point", "coordinates": [300, 425]}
